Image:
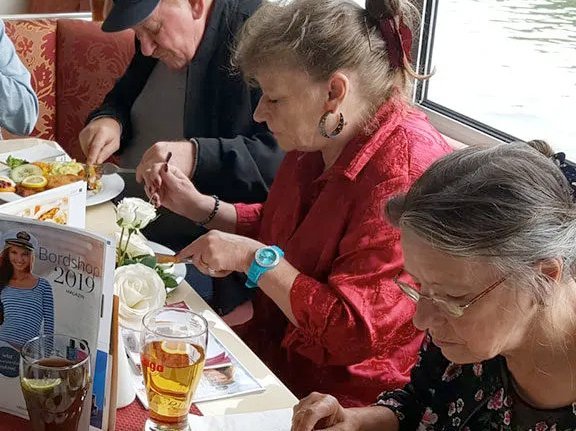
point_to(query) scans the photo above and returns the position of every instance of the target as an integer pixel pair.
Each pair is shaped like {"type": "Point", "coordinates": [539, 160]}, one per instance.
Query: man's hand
{"type": "Point", "coordinates": [100, 139]}
{"type": "Point", "coordinates": [183, 157]}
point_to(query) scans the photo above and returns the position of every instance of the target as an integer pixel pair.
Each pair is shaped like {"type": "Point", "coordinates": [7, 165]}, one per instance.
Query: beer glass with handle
{"type": "Point", "coordinates": [55, 379]}
{"type": "Point", "coordinates": [173, 354]}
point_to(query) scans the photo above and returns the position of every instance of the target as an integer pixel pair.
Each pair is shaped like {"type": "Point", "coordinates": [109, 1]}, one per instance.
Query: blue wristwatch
{"type": "Point", "coordinates": [265, 259]}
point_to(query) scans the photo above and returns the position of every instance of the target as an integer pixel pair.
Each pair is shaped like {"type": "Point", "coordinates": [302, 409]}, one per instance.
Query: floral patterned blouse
{"type": "Point", "coordinates": [446, 396]}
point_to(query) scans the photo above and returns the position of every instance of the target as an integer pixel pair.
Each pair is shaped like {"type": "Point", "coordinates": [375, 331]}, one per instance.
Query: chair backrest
{"type": "Point", "coordinates": [58, 6]}
{"type": "Point", "coordinates": [89, 63]}
{"type": "Point", "coordinates": [73, 65]}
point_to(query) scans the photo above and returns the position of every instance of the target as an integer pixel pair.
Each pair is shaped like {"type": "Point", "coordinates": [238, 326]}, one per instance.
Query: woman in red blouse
{"type": "Point", "coordinates": [335, 80]}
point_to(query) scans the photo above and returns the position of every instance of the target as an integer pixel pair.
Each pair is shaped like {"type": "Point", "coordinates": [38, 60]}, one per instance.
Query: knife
{"type": "Point", "coordinates": [170, 258]}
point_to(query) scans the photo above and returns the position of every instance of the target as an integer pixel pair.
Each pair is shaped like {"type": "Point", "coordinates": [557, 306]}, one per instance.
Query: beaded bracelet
{"type": "Point", "coordinates": [212, 214]}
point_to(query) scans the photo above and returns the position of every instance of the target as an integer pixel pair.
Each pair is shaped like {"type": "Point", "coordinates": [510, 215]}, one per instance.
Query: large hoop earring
{"type": "Point", "coordinates": [336, 131]}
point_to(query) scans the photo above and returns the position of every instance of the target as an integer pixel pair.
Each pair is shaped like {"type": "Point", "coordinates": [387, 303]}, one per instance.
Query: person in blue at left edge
{"type": "Point", "coordinates": [27, 301]}
{"type": "Point", "coordinates": [18, 101]}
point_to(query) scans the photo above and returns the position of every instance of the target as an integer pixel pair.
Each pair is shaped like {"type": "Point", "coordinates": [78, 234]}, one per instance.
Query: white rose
{"type": "Point", "coordinates": [168, 268]}
{"type": "Point", "coordinates": [137, 246]}
{"type": "Point", "coordinates": [134, 213]}
{"type": "Point", "coordinates": [140, 290]}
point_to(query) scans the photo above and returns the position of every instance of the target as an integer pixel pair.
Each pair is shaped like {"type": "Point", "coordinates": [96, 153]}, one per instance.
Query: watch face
{"type": "Point", "coordinates": [267, 257]}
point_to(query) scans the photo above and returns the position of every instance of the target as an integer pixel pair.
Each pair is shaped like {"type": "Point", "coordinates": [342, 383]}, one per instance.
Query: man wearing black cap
{"type": "Point", "coordinates": [180, 95]}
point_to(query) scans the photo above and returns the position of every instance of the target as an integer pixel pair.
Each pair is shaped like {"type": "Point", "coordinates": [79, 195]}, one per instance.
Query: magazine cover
{"type": "Point", "coordinates": [57, 280]}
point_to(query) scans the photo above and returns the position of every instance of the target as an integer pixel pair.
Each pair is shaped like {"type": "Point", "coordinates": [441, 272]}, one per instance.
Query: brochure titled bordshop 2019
{"type": "Point", "coordinates": [71, 293]}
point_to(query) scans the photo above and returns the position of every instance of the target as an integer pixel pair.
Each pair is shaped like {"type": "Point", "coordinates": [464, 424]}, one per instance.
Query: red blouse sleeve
{"type": "Point", "coordinates": [249, 217]}
{"type": "Point", "coordinates": [360, 312]}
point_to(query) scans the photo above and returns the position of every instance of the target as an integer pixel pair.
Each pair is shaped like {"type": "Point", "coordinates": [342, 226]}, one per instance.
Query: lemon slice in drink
{"type": "Point", "coordinates": [34, 182]}
{"type": "Point", "coordinates": [174, 347]}
{"type": "Point", "coordinates": [41, 384]}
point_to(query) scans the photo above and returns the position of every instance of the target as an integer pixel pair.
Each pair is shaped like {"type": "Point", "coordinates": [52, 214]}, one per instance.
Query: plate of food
{"type": "Point", "coordinates": [22, 178]}
{"type": "Point", "coordinates": [112, 186]}
{"type": "Point", "coordinates": [179, 268]}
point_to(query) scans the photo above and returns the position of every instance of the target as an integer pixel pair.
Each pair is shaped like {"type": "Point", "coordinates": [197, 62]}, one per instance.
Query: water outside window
{"type": "Point", "coordinates": [510, 64]}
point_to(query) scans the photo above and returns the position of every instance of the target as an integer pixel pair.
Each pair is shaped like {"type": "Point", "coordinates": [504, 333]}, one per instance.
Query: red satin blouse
{"type": "Point", "coordinates": [355, 336]}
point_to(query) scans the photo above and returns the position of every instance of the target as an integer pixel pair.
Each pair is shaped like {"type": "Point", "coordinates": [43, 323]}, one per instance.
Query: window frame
{"type": "Point", "coordinates": [451, 123]}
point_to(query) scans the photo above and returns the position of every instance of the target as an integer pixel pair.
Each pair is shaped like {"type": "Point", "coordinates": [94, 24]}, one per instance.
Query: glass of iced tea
{"type": "Point", "coordinates": [55, 379]}
{"type": "Point", "coordinates": [173, 344]}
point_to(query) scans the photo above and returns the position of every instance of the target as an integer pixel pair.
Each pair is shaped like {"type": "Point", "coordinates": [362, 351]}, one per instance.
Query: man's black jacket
{"type": "Point", "coordinates": [237, 158]}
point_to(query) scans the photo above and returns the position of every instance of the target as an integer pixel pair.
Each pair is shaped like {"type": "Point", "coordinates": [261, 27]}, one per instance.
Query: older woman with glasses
{"type": "Point", "coordinates": [489, 239]}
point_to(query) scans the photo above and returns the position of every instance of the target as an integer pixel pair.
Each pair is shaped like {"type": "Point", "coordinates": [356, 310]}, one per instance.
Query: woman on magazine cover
{"type": "Point", "coordinates": [26, 301]}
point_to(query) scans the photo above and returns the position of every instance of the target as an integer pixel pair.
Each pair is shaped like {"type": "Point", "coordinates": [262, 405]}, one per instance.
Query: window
{"type": "Point", "coordinates": [506, 69]}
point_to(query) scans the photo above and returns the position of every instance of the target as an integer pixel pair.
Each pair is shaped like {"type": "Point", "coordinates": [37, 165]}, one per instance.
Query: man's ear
{"type": "Point", "coordinates": [338, 88]}
{"type": "Point", "coordinates": [551, 268]}
{"type": "Point", "coordinates": [198, 8]}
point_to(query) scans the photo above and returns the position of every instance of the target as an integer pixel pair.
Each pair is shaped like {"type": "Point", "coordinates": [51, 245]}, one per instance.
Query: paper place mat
{"type": "Point", "coordinates": [271, 420]}
{"type": "Point", "coordinates": [129, 418]}
{"type": "Point", "coordinates": [33, 154]}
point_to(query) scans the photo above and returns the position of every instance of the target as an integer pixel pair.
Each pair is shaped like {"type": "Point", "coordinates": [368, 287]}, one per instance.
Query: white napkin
{"type": "Point", "coordinates": [271, 420]}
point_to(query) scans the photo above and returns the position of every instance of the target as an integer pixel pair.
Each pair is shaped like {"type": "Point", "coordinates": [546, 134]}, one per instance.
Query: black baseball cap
{"type": "Point", "coordinates": [126, 14]}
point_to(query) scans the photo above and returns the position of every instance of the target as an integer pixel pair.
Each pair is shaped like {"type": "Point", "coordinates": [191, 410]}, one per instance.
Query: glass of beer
{"type": "Point", "coordinates": [55, 378]}
{"type": "Point", "coordinates": [173, 344]}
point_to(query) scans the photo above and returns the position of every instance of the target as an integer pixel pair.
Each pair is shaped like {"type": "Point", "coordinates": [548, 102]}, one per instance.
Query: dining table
{"type": "Point", "coordinates": [276, 397]}
{"type": "Point", "coordinates": [101, 219]}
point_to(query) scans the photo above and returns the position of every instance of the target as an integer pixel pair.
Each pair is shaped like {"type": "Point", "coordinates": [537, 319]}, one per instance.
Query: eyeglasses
{"type": "Point", "coordinates": [450, 308]}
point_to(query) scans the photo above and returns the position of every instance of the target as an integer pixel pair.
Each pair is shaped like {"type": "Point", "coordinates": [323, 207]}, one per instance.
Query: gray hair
{"type": "Point", "coordinates": [322, 37]}
{"type": "Point", "coordinates": [509, 203]}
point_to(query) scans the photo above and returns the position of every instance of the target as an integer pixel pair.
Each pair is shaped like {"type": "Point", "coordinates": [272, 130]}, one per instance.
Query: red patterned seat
{"type": "Point", "coordinates": [58, 6]}
{"type": "Point", "coordinates": [35, 42]}
{"type": "Point", "coordinates": [73, 65]}
{"type": "Point", "coordinates": [89, 63]}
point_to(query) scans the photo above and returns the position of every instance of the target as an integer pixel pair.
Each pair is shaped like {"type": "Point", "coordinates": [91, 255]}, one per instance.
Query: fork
{"type": "Point", "coordinates": [111, 168]}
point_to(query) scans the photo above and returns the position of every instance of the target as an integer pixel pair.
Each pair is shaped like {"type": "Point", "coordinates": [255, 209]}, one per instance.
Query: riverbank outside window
{"type": "Point", "coordinates": [503, 70]}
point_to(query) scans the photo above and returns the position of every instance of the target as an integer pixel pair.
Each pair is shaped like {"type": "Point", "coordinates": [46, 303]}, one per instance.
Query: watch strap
{"type": "Point", "coordinates": [256, 271]}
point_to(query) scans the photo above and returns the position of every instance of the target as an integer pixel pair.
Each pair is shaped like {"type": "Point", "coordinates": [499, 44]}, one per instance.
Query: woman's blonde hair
{"type": "Point", "coordinates": [321, 37]}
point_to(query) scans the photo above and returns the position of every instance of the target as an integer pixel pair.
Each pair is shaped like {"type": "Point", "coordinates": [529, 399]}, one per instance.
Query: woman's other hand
{"type": "Point", "coordinates": [182, 154]}
{"type": "Point", "coordinates": [321, 412]}
{"type": "Point", "coordinates": [166, 185]}
{"type": "Point", "coordinates": [324, 412]}
{"type": "Point", "coordinates": [217, 253]}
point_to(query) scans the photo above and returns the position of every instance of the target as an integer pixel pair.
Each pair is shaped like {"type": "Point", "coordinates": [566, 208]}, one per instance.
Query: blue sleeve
{"type": "Point", "coordinates": [47, 307]}
{"type": "Point", "coordinates": [18, 102]}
